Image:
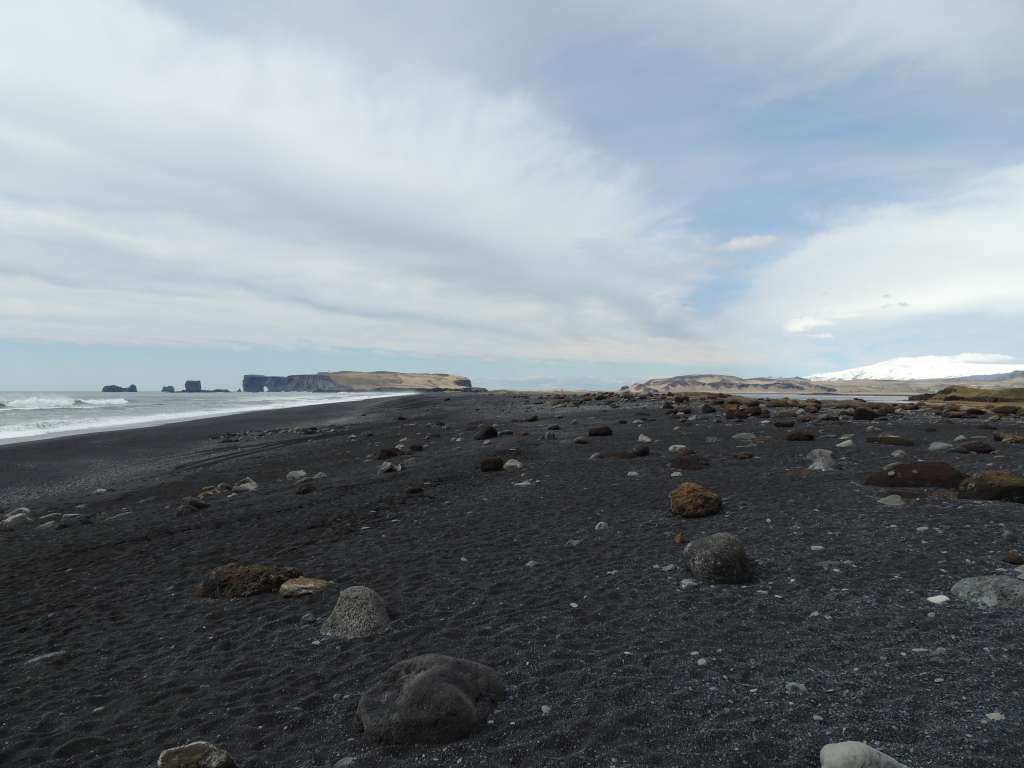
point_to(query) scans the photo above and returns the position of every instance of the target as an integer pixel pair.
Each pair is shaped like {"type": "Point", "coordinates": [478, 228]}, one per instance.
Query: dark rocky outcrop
{"type": "Point", "coordinates": [429, 699]}
{"type": "Point", "coordinates": [116, 388]}
{"type": "Point", "coordinates": [168, 388]}
{"type": "Point", "coordinates": [193, 385]}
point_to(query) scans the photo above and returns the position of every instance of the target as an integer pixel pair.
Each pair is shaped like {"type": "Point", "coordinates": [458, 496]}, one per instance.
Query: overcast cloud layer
{"type": "Point", "coordinates": [779, 188]}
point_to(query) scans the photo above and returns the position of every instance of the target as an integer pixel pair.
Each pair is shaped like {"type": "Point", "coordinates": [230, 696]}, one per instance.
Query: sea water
{"type": "Point", "coordinates": [34, 415]}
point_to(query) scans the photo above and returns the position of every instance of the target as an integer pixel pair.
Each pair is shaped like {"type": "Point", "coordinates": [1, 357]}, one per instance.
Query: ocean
{"type": "Point", "coordinates": [35, 415]}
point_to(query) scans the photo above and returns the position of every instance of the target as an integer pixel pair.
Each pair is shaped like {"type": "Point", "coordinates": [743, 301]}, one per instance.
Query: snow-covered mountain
{"type": "Point", "coordinates": [927, 367]}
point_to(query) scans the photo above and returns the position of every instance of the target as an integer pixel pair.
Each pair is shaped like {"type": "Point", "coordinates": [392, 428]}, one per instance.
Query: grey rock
{"type": "Point", "coordinates": [940, 446]}
{"type": "Point", "coordinates": [855, 754]}
{"type": "Point", "coordinates": [821, 460]}
{"type": "Point", "coordinates": [295, 476]}
{"type": "Point", "coordinates": [892, 500]}
{"type": "Point", "coordinates": [197, 754]}
{"type": "Point", "coordinates": [719, 557]}
{"type": "Point", "coordinates": [991, 591]}
{"type": "Point", "coordinates": [359, 612]}
{"type": "Point", "coordinates": [430, 699]}
{"type": "Point", "coordinates": [17, 520]}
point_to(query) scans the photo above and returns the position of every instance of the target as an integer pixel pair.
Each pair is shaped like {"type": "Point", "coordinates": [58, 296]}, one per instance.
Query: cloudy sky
{"type": "Point", "coordinates": [529, 193]}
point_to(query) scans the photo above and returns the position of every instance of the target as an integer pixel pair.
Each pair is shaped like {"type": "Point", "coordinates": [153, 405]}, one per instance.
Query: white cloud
{"type": "Point", "coordinates": [165, 185]}
{"type": "Point", "coordinates": [747, 243]}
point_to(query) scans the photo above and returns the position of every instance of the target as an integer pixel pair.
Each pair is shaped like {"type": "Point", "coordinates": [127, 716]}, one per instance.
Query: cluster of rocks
{"type": "Point", "coordinates": [22, 517]}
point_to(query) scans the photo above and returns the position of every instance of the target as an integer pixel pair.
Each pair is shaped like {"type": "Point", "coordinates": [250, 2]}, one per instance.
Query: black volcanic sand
{"type": "Point", "coordinates": [643, 672]}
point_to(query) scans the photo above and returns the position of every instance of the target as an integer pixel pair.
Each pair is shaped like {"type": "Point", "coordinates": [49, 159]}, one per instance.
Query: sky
{"type": "Point", "coordinates": [531, 194]}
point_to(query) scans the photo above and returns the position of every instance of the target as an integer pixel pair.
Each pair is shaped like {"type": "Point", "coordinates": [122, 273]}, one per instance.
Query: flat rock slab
{"type": "Point", "coordinates": [991, 591]}
{"type": "Point", "coordinates": [198, 754]}
{"type": "Point", "coordinates": [430, 699]}
{"type": "Point", "coordinates": [855, 754]}
{"type": "Point", "coordinates": [303, 585]}
{"type": "Point", "coordinates": [921, 474]}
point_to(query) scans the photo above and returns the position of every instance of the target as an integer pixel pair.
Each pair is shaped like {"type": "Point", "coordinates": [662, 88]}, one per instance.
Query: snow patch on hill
{"type": "Point", "coordinates": [927, 367]}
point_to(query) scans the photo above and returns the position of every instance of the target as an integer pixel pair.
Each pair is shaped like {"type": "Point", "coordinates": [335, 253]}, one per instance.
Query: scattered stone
{"type": "Point", "coordinates": [938, 599]}
{"type": "Point", "coordinates": [359, 612]}
{"type": "Point", "coordinates": [677, 448]}
{"type": "Point", "coordinates": [845, 443]}
{"type": "Point", "coordinates": [998, 591]}
{"type": "Point", "coordinates": [56, 657]}
{"type": "Point", "coordinates": [745, 436]}
{"type": "Point", "coordinates": [1014, 557]}
{"type": "Point", "coordinates": [821, 460]}
{"type": "Point", "coordinates": [431, 699]}
{"type": "Point", "coordinates": [688, 459]}
{"type": "Point", "coordinates": [743, 455]}
{"type": "Point", "coordinates": [644, 439]}
{"type": "Point", "coordinates": [993, 486]}
{"type": "Point", "coordinates": [295, 476]}
{"type": "Point", "coordinates": [939, 446]}
{"type": "Point", "coordinates": [800, 435]}
{"type": "Point", "coordinates": [388, 468]}
{"type": "Point", "coordinates": [887, 439]}
{"type": "Point", "coordinates": [237, 580]}
{"type": "Point", "coordinates": [936, 474]}
{"type": "Point", "coordinates": [600, 431]}
{"type": "Point", "coordinates": [303, 585]}
{"type": "Point", "coordinates": [694, 500]}
{"type": "Point", "coordinates": [511, 465]}
{"type": "Point", "coordinates": [486, 433]}
{"type": "Point", "coordinates": [198, 754]}
{"type": "Point", "coordinates": [793, 689]}
{"type": "Point", "coordinates": [246, 485]}
{"type": "Point", "coordinates": [17, 520]}
{"type": "Point", "coordinates": [892, 500]}
{"type": "Point", "coordinates": [720, 558]}
{"type": "Point", "coordinates": [974, 446]}
{"type": "Point", "coordinates": [601, 526]}
{"type": "Point", "coordinates": [855, 754]}
{"type": "Point", "coordinates": [492, 464]}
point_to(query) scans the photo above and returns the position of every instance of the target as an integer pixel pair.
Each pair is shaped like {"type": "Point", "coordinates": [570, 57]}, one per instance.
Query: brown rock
{"type": "Point", "coordinates": [921, 474]}
{"type": "Point", "coordinates": [800, 435]}
{"type": "Point", "coordinates": [694, 500]}
{"type": "Point", "coordinates": [237, 580]}
{"type": "Point", "coordinates": [890, 440]}
{"type": "Point", "coordinates": [1013, 557]}
{"type": "Point", "coordinates": [993, 486]}
{"type": "Point", "coordinates": [680, 538]}
{"type": "Point", "coordinates": [303, 585]}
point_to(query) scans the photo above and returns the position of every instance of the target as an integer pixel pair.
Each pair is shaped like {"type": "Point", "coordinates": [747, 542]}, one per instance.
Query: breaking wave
{"type": "Point", "coordinates": [49, 403]}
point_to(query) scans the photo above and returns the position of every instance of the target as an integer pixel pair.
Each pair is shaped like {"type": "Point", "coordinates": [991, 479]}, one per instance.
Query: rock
{"type": "Point", "coordinates": [939, 446]}
{"type": "Point", "coordinates": [72, 518]}
{"type": "Point", "coordinates": [845, 443]}
{"type": "Point", "coordinates": [246, 485]}
{"type": "Point", "coordinates": [512, 465]}
{"type": "Point", "coordinates": [486, 433]}
{"type": "Point", "coordinates": [601, 526]}
{"type": "Point", "coordinates": [237, 580]}
{"type": "Point", "coordinates": [359, 612]}
{"type": "Point", "coordinates": [855, 754]}
{"type": "Point", "coordinates": [303, 585]}
{"type": "Point", "coordinates": [677, 448]}
{"type": "Point", "coordinates": [720, 558]}
{"type": "Point", "coordinates": [168, 389]}
{"type": "Point", "coordinates": [890, 440]}
{"type": "Point", "coordinates": [865, 414]}
{"type": "Point", "coordinates": [974, 446]}
{"type": "Point", "coordinates": [800, 435]}
{"type": "Point", "coordinates": [745, 436]}
{"type": "Point", "coordinates": [644, 439]}
{"type": "Point", "coordinates": [492, 464]}
{"type": "Point", "coordinates": [794, 689]}
{"type": "Point", "coordinates": [430, 699]}
{"type": "Point", "coordinates": [193, 385]}
{"type": "Point", "coordinates": [198, 754]}
{"type": "Point", "coordinates": [385, 453]}
{"type": "Point", "coordinates": [600, 431]}
{"type": "Point", "coordinates": [116, 388]}
{"type": "Point", "coordinates": [784, 423]}
{"type": "Point", "coordinates": [688, 459]}
{"type": "Point", "coordinates": [997, 591]}
{"type": "Point", "coordinates": [54, 657]}
{"type": "Point", "coordinates": [581, 440]}
{"type": "Point", "coordinates": [743, 455]}
{"type": "Point", "coordinates": [922, 474]}
{"type": "Point", "coordinates": [389, 468]}
{"type": "Point", "coordinates": [694, 500]}
{"type": "Point", "coordinates": [821, 460]}
{"type": "Point", "coordinates": [892, 500]}
{"type": "Point", "coordinates": [938, 599]}
{"type": "Point", "coordinates": [17, 520]}
{"type": "Point", "coordinates": [993, 486]}
{"type": "Point", "coordinates": [1014, 557]}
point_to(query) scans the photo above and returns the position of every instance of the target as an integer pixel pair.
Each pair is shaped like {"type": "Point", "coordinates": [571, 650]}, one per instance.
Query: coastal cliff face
{"type": "Point", "coordinates": [355, 381]}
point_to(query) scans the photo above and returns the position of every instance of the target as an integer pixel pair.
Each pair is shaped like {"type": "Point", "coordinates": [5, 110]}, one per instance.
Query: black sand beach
{"type": "Point", "coordinates": [608, 658]}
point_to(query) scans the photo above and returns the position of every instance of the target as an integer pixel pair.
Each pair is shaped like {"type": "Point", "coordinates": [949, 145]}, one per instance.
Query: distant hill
{"type": "Point", "coordinates": [354, 381]}
{"type": "Point", "coordinates": [711, 382]}
{"type": "Point", "coordinates": [927, 368]}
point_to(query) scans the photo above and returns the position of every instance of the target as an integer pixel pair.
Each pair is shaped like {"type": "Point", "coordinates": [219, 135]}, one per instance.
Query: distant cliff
{"type": "Point", "coordinates": [116, 388]}
{"type": "Point", "coordinates": [714, 382]}
{"type": "Point", "coordinates": [354, 381]}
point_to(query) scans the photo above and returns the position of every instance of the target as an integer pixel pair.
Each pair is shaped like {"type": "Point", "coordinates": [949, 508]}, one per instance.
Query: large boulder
{"type": "Point", "coordinates": [694, 500]}
{"type": "Point", "coordinates": [359, 612]}
{"type": "Point", "coordinates": [719, 557]}
{"type": "Point", "coordinates": [974, 446]}
{"type": "Point", "coordinates": [429, 699]}
{"type": "Point", "coordinates": [198, 754]}
{"type": "Point", "coordinates": [993, 486]}
{"type": "Point", "coordinates": [688, 459]}
{"type": "Point", "coordinates": [997, 591]}
{"type": "Point", "coordinates": [602, 430]}
{"type": "Point", "coordinates": [237, 580]}
{"type": "Point", "coordinates": [855, 754]}
{"type": "Point", "coordinates": [921, 474]}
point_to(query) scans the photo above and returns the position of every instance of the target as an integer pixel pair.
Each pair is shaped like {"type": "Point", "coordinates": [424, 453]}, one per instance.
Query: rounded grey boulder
{"type": "Point", "coordinates": [719, 557]}
{"type": "Point", "coordinates": [429, 699]}
{"type": "Point", "coordinates": [359, 612]}
{"type": "Point", "coordinates": [995, 591]}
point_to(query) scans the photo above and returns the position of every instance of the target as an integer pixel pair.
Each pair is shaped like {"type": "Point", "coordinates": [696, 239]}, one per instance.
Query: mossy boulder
{"type": "Point", "coordinates": [694, 500]}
